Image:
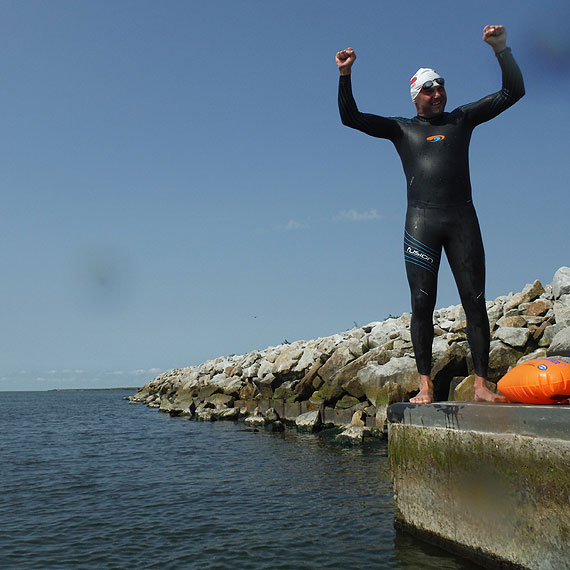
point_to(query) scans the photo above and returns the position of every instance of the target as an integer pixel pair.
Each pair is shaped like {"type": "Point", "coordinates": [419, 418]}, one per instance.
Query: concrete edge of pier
{"type": "Point", "coordinates": [489, 481]}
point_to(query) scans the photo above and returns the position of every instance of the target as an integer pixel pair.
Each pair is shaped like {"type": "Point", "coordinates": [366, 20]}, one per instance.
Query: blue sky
{"type": "Point", "coordinates": [176, 184]}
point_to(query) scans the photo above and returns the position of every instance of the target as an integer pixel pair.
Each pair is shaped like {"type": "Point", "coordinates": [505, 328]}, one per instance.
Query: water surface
{"type": "Point", "coordinates": [89, 481]}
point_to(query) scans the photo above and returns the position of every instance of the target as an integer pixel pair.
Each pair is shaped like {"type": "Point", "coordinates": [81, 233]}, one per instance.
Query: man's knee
{"type": "Point", "coordinates": [475, 309]}
{"type": "Point", "coordinates": [423, 302]}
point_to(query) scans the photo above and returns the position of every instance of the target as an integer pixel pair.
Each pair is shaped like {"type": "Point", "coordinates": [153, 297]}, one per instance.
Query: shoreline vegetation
{"type": "Point", "coordinates": [349, 379]}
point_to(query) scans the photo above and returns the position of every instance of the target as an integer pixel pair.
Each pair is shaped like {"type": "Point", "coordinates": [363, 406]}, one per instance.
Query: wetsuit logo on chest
{"type": "Point", "coordinates": [435, 138]}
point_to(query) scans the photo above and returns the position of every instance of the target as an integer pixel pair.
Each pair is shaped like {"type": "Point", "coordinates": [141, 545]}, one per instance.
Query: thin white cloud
{"type": "Point", "coordinates": [154, 371]}
{"type": "Point", "coordinates": [296, 225]}
{"type": "Point", "coordinates": [149, 371]}
{"type": "Point", "coordinates": [138, 372]}
{"type": "Point", "coordinates": [356, 216]}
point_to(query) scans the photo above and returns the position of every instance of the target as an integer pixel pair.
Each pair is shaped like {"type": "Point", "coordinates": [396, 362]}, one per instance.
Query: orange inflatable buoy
{"type": "Point", "coordinates": [539, 381]}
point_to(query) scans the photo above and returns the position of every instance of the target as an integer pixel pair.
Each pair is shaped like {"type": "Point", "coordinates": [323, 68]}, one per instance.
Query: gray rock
{"type": "Point", "coordinates": [446, 324]}
{"type": "Point", "coordinates": [205, 414]}
{"type": "Point", "coordinates": [514, 301]}
{"type": "Point", "coordinates": [265, 368]}
{"type": "Point", "coordinates": [549, 333]}
{"type": "Point", "coordinates": [358, 418]}
{"type": "Point", "coordinates": [560, 345]}
{"type": "Point", "coordinates": [256, 419]}
{"type": "Point", "coordinates": [229, 414]}
{"type": "Point", "coordinates": [448, 354]}
{"type": "Point", "coordinates": [308, 358]}
{"type": "Point", "coordinates": [561, 310]}
{"type": "Point", "coordinates": [309, 421]}
{"type": "Point", "coordinates": [165, 405]}
{"type": "Point", "coordinates": [347, 377]}
{"type": "Point", "coordinates": [533, 290]}
{"type": "Point", "coordinates": [538, 353]}
{"type": "Point", "coordinates": [287, 359]}
{"type": "Point", "coordinates": [501, 358]}
{"type": "Point", "coordinates": [340, 358]}
{"type": "Point", "coordinates": [512, 322]}
{"type": "Point", "coordinates": [465, 390]}
{"type": "Point", "coordinates": [381, 418]}
{"type": "Point", "coordinates": [219, 380]}
{"type": "Point", "coordinates": [513, 336]}
{"type": "Point", "coordinates": [271, 415]}
{"type": "Point", "coordinates": [495, 312]}
{"type": "Point", "coordinates": [233, 386]}
{"type": "Point", "coordinates": [528, 294]}
{"type": "Point", "coordinates": [537, 308]}
{"type": "Point", "coordinates": [219, 401]}
{"type": "Point", "coordinates": [385, 331]}
{"type": "Point", "coordinates": [561, 282]}
{"type": "Point", "coordinates": [307, 385]}
{"type": "Point", "coordinates": [353, 434]}
{"type": "Point", "coordinates": [347, 402]}
{"type": "Point", "coordinates": [251, 371]}
{"type": "Point", "coordinates": [250, 359]}
{"type": "Point", "coordinates": [390, 382]}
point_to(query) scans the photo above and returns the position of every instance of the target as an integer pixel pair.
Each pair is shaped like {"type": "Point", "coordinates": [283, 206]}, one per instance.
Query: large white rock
{"type": "Point", "coordinates": [250, 359]}
{"type": "Point", "coordinates": [513, 336]}
{"type": "Point", "coordinates": [560, 345]}
{"type": "Point", "coordinates": [219, 380]}
{"type": "Point", "coordinates": [386, 383]}
{"type": "Point", "coordinates": [385, 331]}
{"type": "Point", "coordinates": [251, 371]}
{"type": "Point", "coordinates": [288, 358]}
{"type": "Point", "coordinates": [309, 421]}
{"type": "Point", "coordinates": [265, 368]}
{"type": "Point", "coordinates": [561, 282]}
{"type": "Point", "coordinates": [190, 379]}
{"type": "Point", "coordinates": [233, 386]}
{"type": "Point", "coordinates": [340, 358]}
{"type": "Point", "coordinates": [353, 434]}
{"type": "Point", "coordinates": [308, 358]}
{"type": "Point", "coordinates": [561, 310]}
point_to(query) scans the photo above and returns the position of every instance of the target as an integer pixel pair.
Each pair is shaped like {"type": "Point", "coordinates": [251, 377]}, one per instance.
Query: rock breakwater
{"type": "Point", "coordinates": [349, 379]}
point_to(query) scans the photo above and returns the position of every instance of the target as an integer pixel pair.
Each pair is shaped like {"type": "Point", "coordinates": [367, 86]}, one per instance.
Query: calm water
{"type": "Point", "coordinates": [89, 481]}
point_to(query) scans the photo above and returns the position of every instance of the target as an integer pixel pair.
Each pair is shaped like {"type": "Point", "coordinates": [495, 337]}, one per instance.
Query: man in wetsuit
{"type": "Point", "coordinates": [434, 147]}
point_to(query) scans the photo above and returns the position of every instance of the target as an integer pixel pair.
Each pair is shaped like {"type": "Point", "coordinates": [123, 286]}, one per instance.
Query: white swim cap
{"type": "Point", "coordinates": [422, 75]}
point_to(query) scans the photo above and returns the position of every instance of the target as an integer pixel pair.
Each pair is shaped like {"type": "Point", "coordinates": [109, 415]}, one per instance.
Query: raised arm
{"type": "Point", "coordinates": [512, 81]}
{"type": "Point", "coordinates": [373, 125]}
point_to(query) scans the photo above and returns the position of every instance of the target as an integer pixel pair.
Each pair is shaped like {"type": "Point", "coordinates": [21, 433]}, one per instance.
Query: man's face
{"type": "Point", "coordinates": [431, 102]}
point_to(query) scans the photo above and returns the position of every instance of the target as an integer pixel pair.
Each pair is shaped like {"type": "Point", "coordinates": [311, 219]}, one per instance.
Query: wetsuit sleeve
{"type": "Point", "coordinates": [373, 125]}
{"type": "Point", "coordinates": [512, 90]}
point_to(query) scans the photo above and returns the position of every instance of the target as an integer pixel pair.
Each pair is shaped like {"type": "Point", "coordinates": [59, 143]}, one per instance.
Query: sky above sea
{"type": "Point", "coordinates": [176, 183]}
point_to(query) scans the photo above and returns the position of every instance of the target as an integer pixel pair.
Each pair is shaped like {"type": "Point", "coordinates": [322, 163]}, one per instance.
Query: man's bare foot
{"type": "Point", "coordinates": [483, 394]}
{"type": "Point", "coordinates": [425, 395]}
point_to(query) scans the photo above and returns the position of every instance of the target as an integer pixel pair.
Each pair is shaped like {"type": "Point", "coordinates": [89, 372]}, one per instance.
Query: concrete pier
{"type": "Point", "coordinates": [490, 481]}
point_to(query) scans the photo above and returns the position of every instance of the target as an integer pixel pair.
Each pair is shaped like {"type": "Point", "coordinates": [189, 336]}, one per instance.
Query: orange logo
{"type": "Point", "coordinates": [435, 138]}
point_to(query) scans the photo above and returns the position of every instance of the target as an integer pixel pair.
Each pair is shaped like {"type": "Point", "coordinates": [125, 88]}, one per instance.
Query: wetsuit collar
{"type": "Point", "coordinates": [434, 120]}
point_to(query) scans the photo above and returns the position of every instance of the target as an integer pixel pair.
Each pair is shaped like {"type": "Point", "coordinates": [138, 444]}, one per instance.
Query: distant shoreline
{"type": "Point", "coordinates": [90, 389]}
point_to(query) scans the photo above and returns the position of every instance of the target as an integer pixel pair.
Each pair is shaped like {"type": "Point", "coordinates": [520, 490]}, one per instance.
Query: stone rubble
{"type": "Point", "coordinates": [323, 382]}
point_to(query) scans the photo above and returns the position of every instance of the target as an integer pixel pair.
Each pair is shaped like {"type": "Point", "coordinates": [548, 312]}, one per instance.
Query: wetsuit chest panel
{"type": "Point", "coordinates": [435, 158]}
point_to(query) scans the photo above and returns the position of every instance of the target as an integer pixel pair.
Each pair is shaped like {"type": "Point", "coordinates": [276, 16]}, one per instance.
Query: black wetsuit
{"type": "Point", "coordinates": [435, 157]}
